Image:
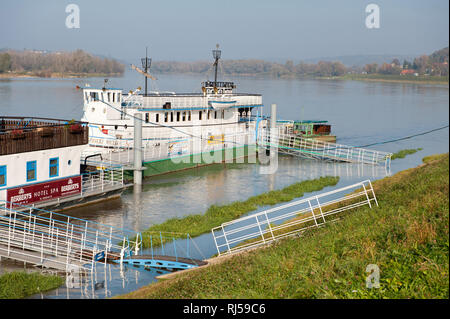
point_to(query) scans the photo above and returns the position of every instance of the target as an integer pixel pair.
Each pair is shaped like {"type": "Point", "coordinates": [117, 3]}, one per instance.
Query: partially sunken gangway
{"type": "Point", "coordinates": [56, 241]}
{"type": "Point", "coordinates": [292, 219]}
{"type": "Point", "coordinates": [295, 145]}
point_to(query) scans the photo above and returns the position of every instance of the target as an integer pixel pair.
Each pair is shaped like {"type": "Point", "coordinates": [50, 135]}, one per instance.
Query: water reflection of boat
{"type": "Point", "coordinates": [317, 130]}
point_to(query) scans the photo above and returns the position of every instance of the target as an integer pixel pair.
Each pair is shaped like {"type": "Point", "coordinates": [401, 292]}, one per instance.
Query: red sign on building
{"type": "Point", "coordinates": [38, 192]}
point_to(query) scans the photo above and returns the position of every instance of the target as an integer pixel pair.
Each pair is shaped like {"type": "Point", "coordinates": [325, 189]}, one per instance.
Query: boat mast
{"type": "Point", "coordinates": [216, 56]}
{"type": "Point", "coordinates": [146, 63]}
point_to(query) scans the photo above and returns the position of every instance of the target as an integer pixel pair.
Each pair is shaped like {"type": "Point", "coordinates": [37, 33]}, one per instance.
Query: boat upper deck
{"type": "Point", "coordinates": [161, 101]}
{"type": "Point", "coordinates": [27, 134]}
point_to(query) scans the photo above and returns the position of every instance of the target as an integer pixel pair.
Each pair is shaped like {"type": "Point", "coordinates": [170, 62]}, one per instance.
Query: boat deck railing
{"type": "Point", "coordinates": [121, 152]}
{"type": "Point", "coordinates": [102, 179]}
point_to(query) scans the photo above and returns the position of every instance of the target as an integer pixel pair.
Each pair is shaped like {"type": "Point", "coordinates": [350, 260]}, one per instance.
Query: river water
{"type": "Point", "coordinates": [360, 112]}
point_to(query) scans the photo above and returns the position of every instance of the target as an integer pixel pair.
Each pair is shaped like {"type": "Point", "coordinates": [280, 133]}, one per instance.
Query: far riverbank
{"type": "Point", "coordinates": [56, 75]}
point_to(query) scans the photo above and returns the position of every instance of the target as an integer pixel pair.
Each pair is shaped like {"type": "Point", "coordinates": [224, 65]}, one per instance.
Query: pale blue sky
{"type": "Point", "coordinates": [188, 30]}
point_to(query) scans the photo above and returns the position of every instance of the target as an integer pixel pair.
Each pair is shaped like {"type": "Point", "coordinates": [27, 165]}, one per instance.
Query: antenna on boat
{"type": "Point", "coordinates": [216, 55]}
{"type": "Point", "coordinates": [146, 63]}
{"type": "Point", "coordinates": [104, 84]}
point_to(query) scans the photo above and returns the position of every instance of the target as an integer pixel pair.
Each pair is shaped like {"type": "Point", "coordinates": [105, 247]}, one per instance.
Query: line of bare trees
{"type": "Point", "coordinates": [44, 64]}
{"type": "Point", "coordinates": [433, 64]}
{"type": "Point", "coordinates": [254, 67]}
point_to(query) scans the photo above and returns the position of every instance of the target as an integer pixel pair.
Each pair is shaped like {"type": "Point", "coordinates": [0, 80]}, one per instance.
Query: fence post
{"type": "Point", "coordinates": [367, 195]}
{"type": "Point", "coordinates": [187, 244]}
{"type": "Point", "coordinates": [260, 231]}
{"type": "Point", "coordinates": [9, 234]}
{"type": "Point", "coordinates": [175, 249]}
{"type": "Point", "coordinates": [226, 240]}
{"type": "Point", "coordinates": [102, 178]}
{"type": "Point", "coordinates": [268, 224]}
{"type": "Point", "coordinates": [162, 244]}
{"type": "Point", "coordinates": [320, 208]}
{"type": "Point", "coordinates": [81, 246]}
{"type": "Point", "coordinates": [14, 225]}
{"type": "Point", "coordinates": [215, 242]}
{"type": "Point", "coordinates": [151, 245]}
{"type": "Point", "coordinates": [56, 246]}
{"type": "Point", "coordinates": [312, 211]}
{"type": "Point", "coordinates": [81, 192]}
{"type": "Point", "coordinates": [373, 193]}
{"type": "Point", "coordinates": [42, 247]}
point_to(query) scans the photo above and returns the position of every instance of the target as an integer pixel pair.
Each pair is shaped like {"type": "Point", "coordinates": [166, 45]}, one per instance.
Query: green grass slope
{"type": "Point", "coordinates": [406, 237]}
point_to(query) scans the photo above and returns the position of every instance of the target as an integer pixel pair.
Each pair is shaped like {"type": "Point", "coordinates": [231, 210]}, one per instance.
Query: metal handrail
{"type": "Point", "coordinates": [312, 148]}
{"type": "Point", "coordinates": [273, 224]}
{"type": "Point", "coordinates": [78, 241]}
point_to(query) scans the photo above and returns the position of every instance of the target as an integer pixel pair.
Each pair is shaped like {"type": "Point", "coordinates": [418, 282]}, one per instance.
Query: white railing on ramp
{"type": "Point", "coordinates": [290, 219]}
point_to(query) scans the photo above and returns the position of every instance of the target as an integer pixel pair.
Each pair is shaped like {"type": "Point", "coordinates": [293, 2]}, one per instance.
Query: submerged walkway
{"type": "Point", "coordinates": [52, 240]}
{"type": "Point", "coordinates": [57, 241]}
{"type": "Point", "coordinates": [295, 145]}
{"type": "Point", "coordinates": [283, 143]}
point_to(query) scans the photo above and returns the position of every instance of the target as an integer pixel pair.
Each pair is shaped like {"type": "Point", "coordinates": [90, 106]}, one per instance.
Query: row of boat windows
{"type": "Point", "coordinates": [96, 96]}
{"type": "Point", "coordinates": [183, 116]}
{"type": "Point", "coordinates": [31, 170]}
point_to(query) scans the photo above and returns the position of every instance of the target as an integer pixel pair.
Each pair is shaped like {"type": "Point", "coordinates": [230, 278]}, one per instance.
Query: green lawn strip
{"type": "Point", "coordinates": [19, 284]}
{"type": "Point", "coordinates": [403, 153]}
{"type": "Point", "coordinates": [407, 237]}
{"type": "Point", "coordinates": [199, 224]}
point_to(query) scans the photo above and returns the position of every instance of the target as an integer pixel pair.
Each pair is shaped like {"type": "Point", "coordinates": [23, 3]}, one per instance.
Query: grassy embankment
{"type": "Point", "coordinates": [421, 79]}
{"type": "Point", "coordinates": [406, 237]}
{"type": "Point", "coordinates": [18, 284]}
{"type": "Point", "coordinates": [198, 224]}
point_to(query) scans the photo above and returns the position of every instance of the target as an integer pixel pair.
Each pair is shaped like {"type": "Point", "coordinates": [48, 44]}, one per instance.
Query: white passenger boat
{"type": "Point", "coordinates": [207, 123]}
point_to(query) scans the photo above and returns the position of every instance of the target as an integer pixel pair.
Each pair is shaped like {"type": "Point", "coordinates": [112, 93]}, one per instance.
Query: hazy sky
{"type": "Point", "coordinates": [188, 30]}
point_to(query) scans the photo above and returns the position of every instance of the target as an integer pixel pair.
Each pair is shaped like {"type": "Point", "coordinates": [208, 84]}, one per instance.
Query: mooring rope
{"type": "Point", "coordinates": [406, 137]}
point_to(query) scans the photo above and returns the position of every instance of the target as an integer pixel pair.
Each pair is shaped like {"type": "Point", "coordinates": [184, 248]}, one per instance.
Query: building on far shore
{"type": "Point", "coordinates": [409, 72]}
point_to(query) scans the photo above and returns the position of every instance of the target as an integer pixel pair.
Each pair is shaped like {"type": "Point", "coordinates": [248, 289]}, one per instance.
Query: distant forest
{"type": "Point", "coordinates": [78, 63]}
{"type": "Point", "coordinates": [45, 64]}
{"type": "Point", "coordinates": [435, 64]}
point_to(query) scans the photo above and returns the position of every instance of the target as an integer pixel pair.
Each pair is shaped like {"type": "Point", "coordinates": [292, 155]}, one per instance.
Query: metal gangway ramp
{"type": "Point", "coordinates": [291, 219]}
{"type": "Point", "coordinates": [52, 240]}
{"type": "Point", "coordinates": [57, 241]}
{"type": "Point", "coordinates": [295, 145]}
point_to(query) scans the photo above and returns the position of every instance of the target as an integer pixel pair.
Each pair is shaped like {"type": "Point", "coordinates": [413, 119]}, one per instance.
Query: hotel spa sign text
{"type": "Point", "coordinates": [44, 191]}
